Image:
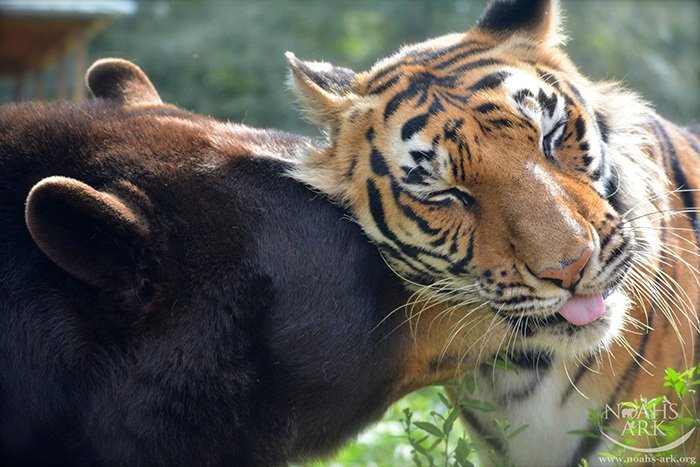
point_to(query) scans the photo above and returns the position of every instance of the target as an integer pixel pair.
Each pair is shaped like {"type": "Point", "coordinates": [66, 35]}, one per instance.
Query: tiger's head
{"type": "Point", "coordinates": [488, 170]}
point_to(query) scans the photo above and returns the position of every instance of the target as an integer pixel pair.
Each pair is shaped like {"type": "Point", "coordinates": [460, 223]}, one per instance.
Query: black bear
{"type": "Point", "coordinates": [169, 296]}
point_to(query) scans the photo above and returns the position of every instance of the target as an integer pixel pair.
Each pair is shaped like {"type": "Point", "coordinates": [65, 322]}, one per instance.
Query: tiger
{"type": "Point", "coordinates": [513, 193]}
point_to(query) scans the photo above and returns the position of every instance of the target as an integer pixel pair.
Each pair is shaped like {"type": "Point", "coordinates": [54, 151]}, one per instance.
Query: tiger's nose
{"type": "Point", "coordinates": [569, 273]}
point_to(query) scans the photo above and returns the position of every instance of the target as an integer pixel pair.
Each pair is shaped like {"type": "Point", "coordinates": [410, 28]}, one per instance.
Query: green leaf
{"type": "Point", "coordinates": [462, 451]}
{"type": "Point", "coordinates": [421, 449]}
{"type": "Point", "coordinates": [689, 421]}
{"type": "Point", "coordinates": [503, 362]}
{"type": "Point", "coordinates": [444, 399]}
{"type": "Point", "coordinates": [435, 444]}
{"type": "Point", "coordinates": [430, 428]}
{"type": "Point", "coordinates": [516, 432]}
{"type": "Point", "coordinates": [450, 420]}
{"type": "Point", "coordinates": [478, 405]}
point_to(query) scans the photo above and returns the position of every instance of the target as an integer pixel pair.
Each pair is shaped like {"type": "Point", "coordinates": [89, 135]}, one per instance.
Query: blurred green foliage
{"type": "Point", "coordinates": [224, 57]}
{"type": "Point", "coordinates": [385, 444]}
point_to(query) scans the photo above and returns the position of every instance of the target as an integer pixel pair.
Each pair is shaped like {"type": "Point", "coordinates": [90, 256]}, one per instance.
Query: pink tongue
{"type": "Point", "coordinates": [580, 310]}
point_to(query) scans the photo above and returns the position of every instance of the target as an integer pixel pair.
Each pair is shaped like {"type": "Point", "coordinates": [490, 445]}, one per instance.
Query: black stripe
{"type": "Point", "coordinates": [350, 173]}
{"type": "Point", "coordinates": [453, 241]}
{"type": "Point", "coordinates": [692, 140]}
{"type": "Point", "coordinates": [484, 62]}
{"type": "Point", "coordinates": [680, 177]}
{"type": "Point", "coordinates": [440, 240]}
{"type": "Point", "coordinates": [419, 83]}
{"type": "Point", "coordinates": [525, 123]}
{"type": "Point", "coordinates": [384, 86]}
{"type": "Point", "coordinates": [461, 266]}
{"type": "Point", "coordinates": [413, 126]}
{"type": "Point", "coordinates": [521, 95]}
{"type": "Point", "coordinates": [603, 126]}
{"type": "Point", "coordinates": [513, 300]}
{"type": "Point", "coordinates": [451, 128]}
{"type": "Point", "coordinates": [384, 72]}
{"type": "Point", "coordinates": [548, 78]}
{"type": "Point", "coordinates": [436, 107]}
{"type": "Point", "coordinates": [461, 150]}
{"type": "Point", "coordinates": [531, 360]}
{"type": "Point", "coordinates": [412, 57]}
{"type": "Point", "coordinates": [578, 94]}
{"type": "Point", "coordinates": [369, 134]}
{"type": "Point", "coordinates": [547, 103]}
{"type": "Point", "coordinates": [580, 126]}
{"type": "Point", "coordinates": [415, 175]}
{"type": "Point", "coordinates": [588, 445]}
{"type": "Point", "coordinates": [378, 164]}
{"type": "Point", "coordinates": [487, 108]}
{"type": "Point", "coordinates": [491, 81]}
{"type": "Point", "coordinates": [421, 223]}
{"type": "Point", "coordinates": [607, 239]}
{"type": "Point", "coordinates": [612, 192]}
{"type": "Point", "coordinates": [462, 55]}
{"type": "Point", "coordinates": [432, 56]}
{"type": "Point", "coordinates": [420, 156]}
{"type": "Point", "coordinates": [416, 275]}
{"type": "Point", "coordinates": [501, 123]}
{"type": "Point", "coordinates": [490, 438]}
{"type": "Point", "coordinates": [377, 211]}
{"type": "Point", "coordinates": [617, 251]}
{"type": "Point", "coordinates": [454, 99]}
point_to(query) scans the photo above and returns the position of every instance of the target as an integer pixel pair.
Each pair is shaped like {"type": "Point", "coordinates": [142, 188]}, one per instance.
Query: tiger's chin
{"type": "Point", "coordinates": [558, 337]}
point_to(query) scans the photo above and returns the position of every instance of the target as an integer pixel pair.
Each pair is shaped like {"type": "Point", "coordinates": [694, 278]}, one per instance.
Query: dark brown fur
{"type": "Point", "coordinates": [174, 299]}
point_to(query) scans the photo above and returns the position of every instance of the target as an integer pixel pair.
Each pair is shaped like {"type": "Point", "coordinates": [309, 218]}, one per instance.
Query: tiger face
{"type": "Point", "coordinates": [485, 169]}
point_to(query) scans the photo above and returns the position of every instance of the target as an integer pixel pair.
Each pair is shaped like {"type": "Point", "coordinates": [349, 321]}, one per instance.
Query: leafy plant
{"type": "Point", "coordinates": [654, 418]}
{"type": "Point", "coordinates": [432, 442]}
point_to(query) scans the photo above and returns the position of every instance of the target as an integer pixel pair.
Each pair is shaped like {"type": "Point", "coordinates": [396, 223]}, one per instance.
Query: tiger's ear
{"type": "Point", "coordinates": [121, 81]}
{"type": "Point", "coordinates": [91, 234]}
{"type": "Point", "coordinates": [323, 89]}
{"type": "Point", "coordinates": [538, 19]}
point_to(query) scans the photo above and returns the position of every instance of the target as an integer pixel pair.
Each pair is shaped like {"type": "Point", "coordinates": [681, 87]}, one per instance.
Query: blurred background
{"type": "Point", "coordinates": [225, 59]}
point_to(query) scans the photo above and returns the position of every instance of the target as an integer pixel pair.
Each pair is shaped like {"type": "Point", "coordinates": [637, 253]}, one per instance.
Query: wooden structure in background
{"type": "Point", "coordinates": [38, 34]}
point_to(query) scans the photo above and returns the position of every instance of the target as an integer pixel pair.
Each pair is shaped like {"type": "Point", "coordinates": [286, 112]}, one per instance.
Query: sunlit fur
{"type": "Point", "coordinates": [475, 160]}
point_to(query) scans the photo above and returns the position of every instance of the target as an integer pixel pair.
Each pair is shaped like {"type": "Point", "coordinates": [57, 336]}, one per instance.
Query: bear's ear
{"type": "Point", "coordinates": [91, 234]}
{"type": "Point", "coordinates": [323, 89]}
{"type": "Point", "coordinates": [539, 20]}
{"type": "Point", "coordinates": [121, 81]}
